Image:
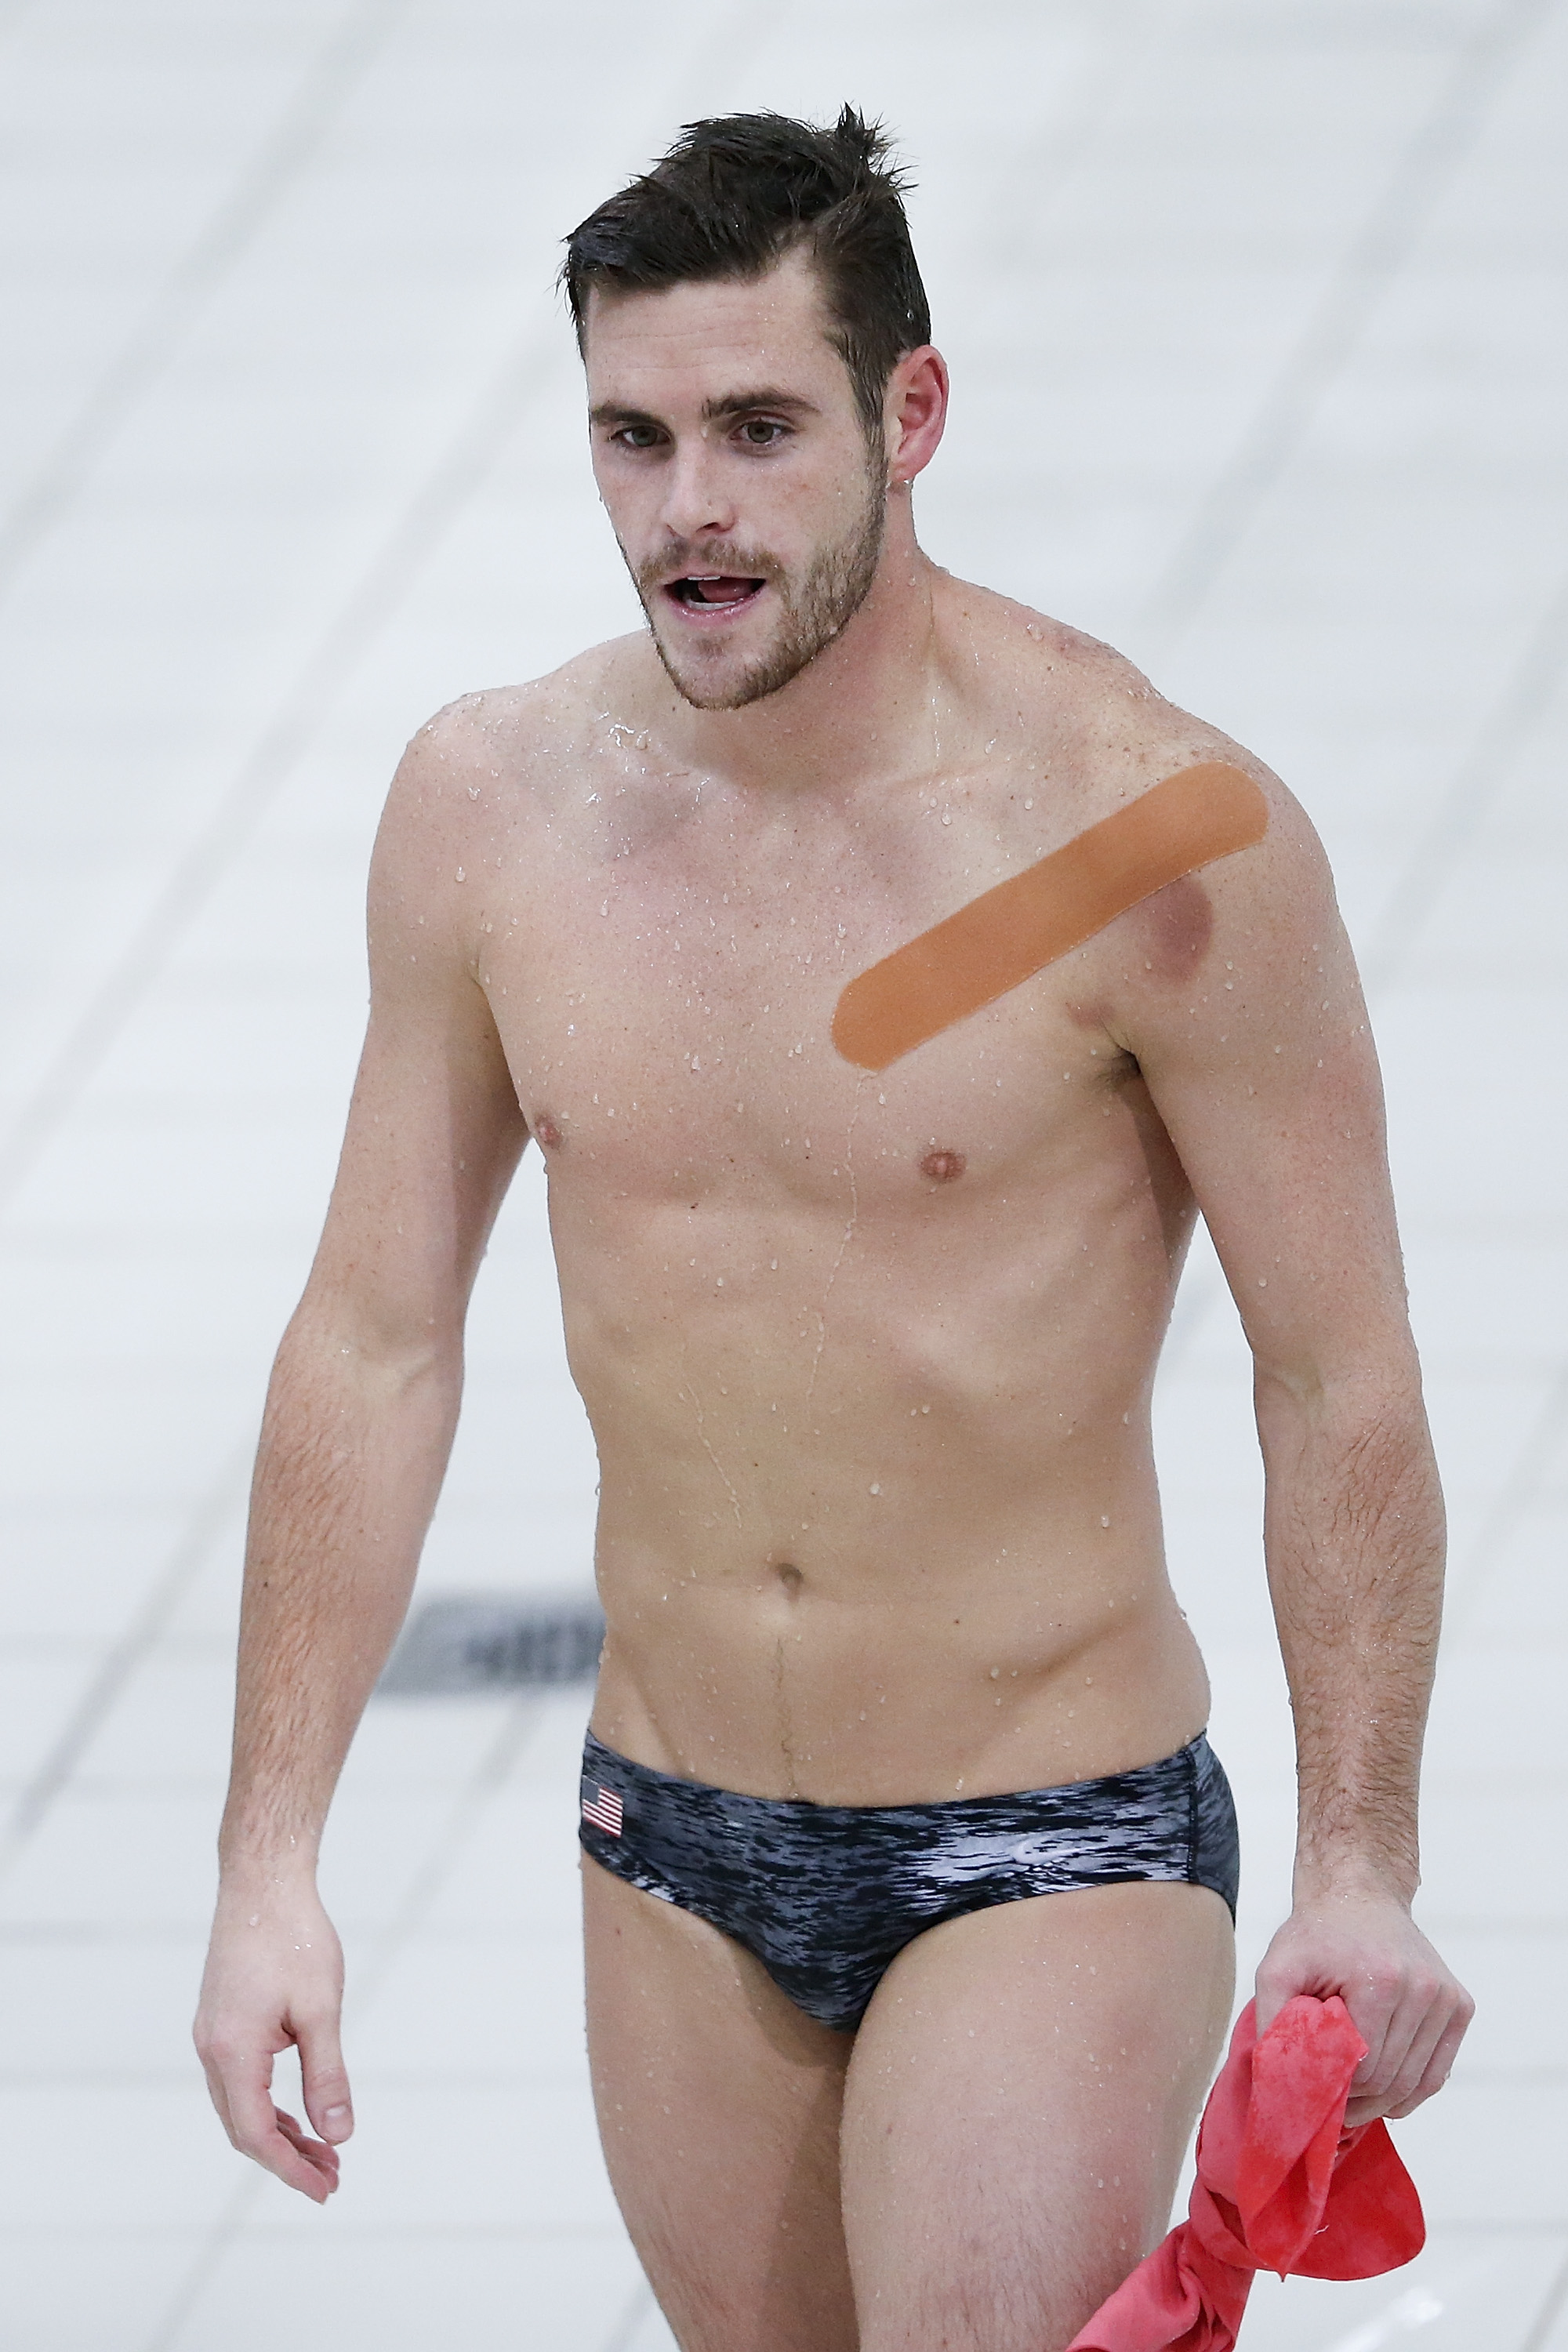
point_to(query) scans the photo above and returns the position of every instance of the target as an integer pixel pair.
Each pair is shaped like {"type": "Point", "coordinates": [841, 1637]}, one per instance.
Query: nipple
{"type": "Point", "coordinates": [943, 1166]}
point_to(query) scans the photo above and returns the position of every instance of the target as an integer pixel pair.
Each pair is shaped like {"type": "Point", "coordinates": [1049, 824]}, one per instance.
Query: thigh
{"type": "Point", "coordinates": [719, 2104]}
{"type": "Point", "coordinates": [1017, 2110]}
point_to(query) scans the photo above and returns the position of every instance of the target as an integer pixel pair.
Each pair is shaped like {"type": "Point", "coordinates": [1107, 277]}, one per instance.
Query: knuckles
{"type": "Point", "coordinates": [220, 2051]}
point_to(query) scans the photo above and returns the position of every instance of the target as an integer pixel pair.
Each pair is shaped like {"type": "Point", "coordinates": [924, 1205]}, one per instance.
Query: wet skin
{"type": "Point", "coordinates": [866, 1357]}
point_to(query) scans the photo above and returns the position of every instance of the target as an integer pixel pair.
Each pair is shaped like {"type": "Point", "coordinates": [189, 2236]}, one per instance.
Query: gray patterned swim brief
{"type": "Point", "coordinates": [827, 1895]}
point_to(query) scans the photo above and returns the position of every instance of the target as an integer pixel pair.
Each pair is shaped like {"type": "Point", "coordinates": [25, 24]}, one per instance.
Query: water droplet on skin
{"type": "Point", "coordinates": [876, 1490]}
{"type": "Point", "coordinates": [461, 876]}
{"type": "Point", "coordinates": [1104, 1522]}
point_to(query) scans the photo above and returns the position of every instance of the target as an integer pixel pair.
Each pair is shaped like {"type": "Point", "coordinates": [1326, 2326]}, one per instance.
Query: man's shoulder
{"type": "Point", "coordinates": [486, 777]}
{"type": "Point", "coordinates": [508, 731]}
{"type": "Point", "coordinates": [1085, 705]}
{"type": "Point", "coordinates": [1096, 723]}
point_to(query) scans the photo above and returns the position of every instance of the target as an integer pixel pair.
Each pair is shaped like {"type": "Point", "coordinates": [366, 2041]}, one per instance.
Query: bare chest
{"type": "Point", "coordinates": [668, 1030]}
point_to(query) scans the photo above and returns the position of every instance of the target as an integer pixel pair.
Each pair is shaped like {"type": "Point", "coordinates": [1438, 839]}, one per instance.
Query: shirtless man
{"type": "Point", "coordinates": [908, 1874]}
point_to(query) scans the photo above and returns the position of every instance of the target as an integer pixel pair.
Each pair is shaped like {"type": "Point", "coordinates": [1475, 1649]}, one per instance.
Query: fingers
{"type": "Point", "coordinates": [328, 2101]}
{"type": "Point", "coordinates": [1372, 1994]}
{"type": "Point", "coordinates": [1418, 2050]}
{"type": "Point", "coordinates": [240, 2085]}
{"type": "Point", "coordinates": [1271, 1999]}
{"type": "Point", "coordinates": [1439, 2062]}
{"type": "Point", "coordinates": [1408, 2009]}
{"type": "Point", "coordinates": [1383, 2015]}
{"type": "Point", "coordinates": [1412, 2034]}
{"type": "Point", "coordinates": [322, 2160]}
{"type": "Point", "coordinates": [274, 1981]}
{"type": "Point", "coordinates": [276, 2142]}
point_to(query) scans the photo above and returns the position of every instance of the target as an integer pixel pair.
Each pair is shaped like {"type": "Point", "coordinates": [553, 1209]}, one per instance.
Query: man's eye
{"type": "Point", "coordinates": [637, 436]}
{"type": "Point", "coordinates": [762, 432]}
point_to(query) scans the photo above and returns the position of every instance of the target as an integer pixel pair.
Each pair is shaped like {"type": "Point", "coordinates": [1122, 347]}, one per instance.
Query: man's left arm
{"type": "Point", "coordinates": [1260, 1060]}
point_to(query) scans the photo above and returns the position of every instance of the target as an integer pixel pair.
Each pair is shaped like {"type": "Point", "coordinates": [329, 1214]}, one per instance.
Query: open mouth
{"type": "Point", "coordinates": [717, 594]}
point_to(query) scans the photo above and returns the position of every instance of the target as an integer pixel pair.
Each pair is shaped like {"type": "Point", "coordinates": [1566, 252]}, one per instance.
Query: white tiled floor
{"type": "Point", "coordinates": [1256, 317]}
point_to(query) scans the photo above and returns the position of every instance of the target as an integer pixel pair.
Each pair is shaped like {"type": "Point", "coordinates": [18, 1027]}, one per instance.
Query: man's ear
{"type": "Point", "coordinates": [914, 410]}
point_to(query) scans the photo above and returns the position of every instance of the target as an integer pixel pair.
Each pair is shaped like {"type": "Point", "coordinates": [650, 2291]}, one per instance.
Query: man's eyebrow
{"type": "Point", "coordinates": [714, 412]}
{"type": "Point", "coordinates": [609, 412]}
{"type": "Point", "coordinates": [741, 403]}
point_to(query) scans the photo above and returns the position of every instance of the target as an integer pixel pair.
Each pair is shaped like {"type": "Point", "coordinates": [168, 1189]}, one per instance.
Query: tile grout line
{"type": "Point", "coordinates": [1504, 733]}
{"type": "Point", "coordinates": [129, 1652]}
{"type": "Point", "coordinates": [1504, 730]}
{"type": "Point", "coordinates": [488, 1778]}
{"type": "Point", "coordinates": [490, 421]}
{"type": "Point", "coordinates": [1552, 2310]}
{"type": "Point", "coordinates": [1377, 252]}
{"type": "Point", "coordinates": [1049, 161]}
{"type": "Point", "coordinates": [640, 2303]}
{"type": "Point", "coordinates": [229, 230]}
{"type": "Point", "coordinates": [623, 2331]}
{"type": "Point", "coordinates": [495, 411]}
{"type": "Point", "coordinates": [1519, 1489]}
{"type": "Point", "coordinates": [1502, 736]}
{"type": "Point", "coordinates": [452, 2233]}
{"type": "Point", "coordinates": [430, 511]}
{"type": "Point", "coordinates": [263, 773]}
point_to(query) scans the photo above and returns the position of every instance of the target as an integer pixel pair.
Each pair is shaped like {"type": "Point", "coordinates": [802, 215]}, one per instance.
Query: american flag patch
{"type": "Point", "coordinates": [604, 1810]}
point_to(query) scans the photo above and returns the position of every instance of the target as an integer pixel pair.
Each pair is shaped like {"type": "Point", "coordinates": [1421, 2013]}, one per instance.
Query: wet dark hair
{"type": "Point", "coordinates": [733, 195]}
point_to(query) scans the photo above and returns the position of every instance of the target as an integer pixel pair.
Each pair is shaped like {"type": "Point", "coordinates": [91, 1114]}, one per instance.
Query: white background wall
{"type": "Point", "coordinates": [1255, 310]}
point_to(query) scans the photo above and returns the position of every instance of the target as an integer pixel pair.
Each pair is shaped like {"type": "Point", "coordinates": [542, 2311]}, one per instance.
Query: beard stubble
{"type": "Point", "coordinates": [831, 592]}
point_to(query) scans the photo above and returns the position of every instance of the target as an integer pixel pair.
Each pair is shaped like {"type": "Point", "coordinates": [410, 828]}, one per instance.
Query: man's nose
{"type": "Point", "coordinates": [698, 504]}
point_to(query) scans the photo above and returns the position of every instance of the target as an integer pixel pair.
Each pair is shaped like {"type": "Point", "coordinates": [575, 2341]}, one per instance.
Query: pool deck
{"type": "Point", "coordinates": [1261, 361]}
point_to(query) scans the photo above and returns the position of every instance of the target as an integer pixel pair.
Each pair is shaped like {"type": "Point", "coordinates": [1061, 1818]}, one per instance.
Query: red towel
{"type": "Point", "coordinates": [1281, 2186]}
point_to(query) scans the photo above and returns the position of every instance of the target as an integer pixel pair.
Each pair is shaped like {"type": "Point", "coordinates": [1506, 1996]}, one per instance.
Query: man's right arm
{"type": "Point", "coordinates": [359, 1421]}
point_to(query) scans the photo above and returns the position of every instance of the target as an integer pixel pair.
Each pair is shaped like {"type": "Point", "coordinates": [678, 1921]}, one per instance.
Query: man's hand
{"type": "Point", "coordinates": [275, 1979]}
{"type": "Point", "coordinates": [1409, 2010]}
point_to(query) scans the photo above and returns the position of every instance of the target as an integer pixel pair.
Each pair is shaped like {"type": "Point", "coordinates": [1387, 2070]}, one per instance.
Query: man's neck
{"type": "Point", "coordinates": [869, 705]}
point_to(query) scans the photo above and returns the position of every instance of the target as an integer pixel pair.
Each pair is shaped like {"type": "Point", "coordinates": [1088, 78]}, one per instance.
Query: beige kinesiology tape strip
{"type": "Point", "coordinates": [1006, 935]}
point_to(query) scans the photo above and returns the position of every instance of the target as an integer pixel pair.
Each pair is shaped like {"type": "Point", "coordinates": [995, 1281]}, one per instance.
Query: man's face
{"type": "Point", "coordinates": [735, 470]}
